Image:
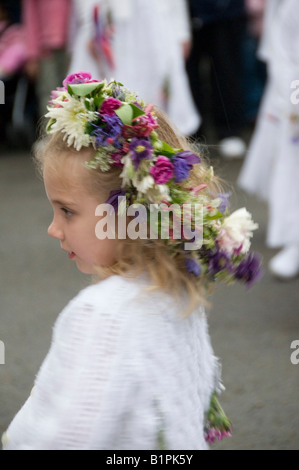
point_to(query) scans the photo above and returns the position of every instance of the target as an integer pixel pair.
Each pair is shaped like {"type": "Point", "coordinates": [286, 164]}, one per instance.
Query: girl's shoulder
{"type": "Point", "coordinates": [113, 292]}
{"type": "Point", "coordinates": [128, 297]}
{"type": "Point", "coordinates": [127, 305]}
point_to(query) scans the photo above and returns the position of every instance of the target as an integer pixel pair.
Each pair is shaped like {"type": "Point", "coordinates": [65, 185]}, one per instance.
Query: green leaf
{"type": "Point", "coordinates": [98, 101]}
{"type": "Point", "coordinates": [216, 216]}
{"type": "Point", "coordinates": [165, 149]}
{"type": "Point", "coordinates": [137, 111]}
{"type": "Point", "coordinates": [128, 112]}
{"type": "Point", "coordinates": [125, 114]}
{"type": "Point", "coordinates": [85, 89]}
{"type": "Point", "coordinates": [87, 104]}
{"type": "Point", "coordinates": [50, 124]}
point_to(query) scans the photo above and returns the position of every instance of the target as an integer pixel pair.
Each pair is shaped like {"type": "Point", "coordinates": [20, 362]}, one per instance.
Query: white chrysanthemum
{"type": "Point", "coordinates": [236, 231]}
{"type": "Point", "coordinates": [71, 117]}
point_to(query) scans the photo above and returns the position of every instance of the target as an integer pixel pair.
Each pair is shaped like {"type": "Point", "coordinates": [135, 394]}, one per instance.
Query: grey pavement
{"type": "Point", "coordinates": [251, 331]}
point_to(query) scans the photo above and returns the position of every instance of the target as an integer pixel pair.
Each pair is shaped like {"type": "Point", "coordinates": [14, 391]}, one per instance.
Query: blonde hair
{"type": "Point", "coordinates": [168, 272]}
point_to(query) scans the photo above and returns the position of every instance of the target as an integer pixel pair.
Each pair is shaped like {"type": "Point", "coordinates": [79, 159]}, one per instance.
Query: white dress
{"type": "Point", "coordinates": [147, 48]}
{"type": "Point", "coordinates": [123, 368]}
{"type": "Point", "coordinates": [271, 169]}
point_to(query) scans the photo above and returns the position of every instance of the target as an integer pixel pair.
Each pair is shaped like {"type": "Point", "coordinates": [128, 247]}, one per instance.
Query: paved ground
{"type": "Point", "coordinates": [251, 330]}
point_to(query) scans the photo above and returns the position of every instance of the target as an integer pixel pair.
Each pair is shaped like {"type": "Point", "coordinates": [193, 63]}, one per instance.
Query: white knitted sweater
{"type": "Point", "coordinates": [123, 366]}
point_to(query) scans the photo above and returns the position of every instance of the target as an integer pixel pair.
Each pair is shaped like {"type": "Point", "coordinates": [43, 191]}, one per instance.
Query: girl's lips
{"type": "Point", "coordinates": [71, 255]}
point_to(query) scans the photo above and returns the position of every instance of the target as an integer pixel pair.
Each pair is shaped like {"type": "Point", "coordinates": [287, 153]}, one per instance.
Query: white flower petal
{"type": "Point", "coordinates": [236, 231]}
{"type": "Point", "coordinates": [71, 117]}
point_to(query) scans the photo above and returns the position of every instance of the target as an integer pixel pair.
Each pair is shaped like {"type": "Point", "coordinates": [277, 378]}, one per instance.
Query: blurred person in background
{"type": "Point", "coordinates": [254, 74]}
{"type": "Point", "coordinates": [256, 11]}
{"type": "Point", "coordinates": [271, 168]}
{"type": "Point", "coordinates": [46, 24]}
{"type": "Point", "coordinates": [12, 44]}
{"type": "Point", "coordinates": [218, 32]}
{"type": "Point", "coordinates": [13, 56]}
{"type": "Point", "coordinates": [144, 44]}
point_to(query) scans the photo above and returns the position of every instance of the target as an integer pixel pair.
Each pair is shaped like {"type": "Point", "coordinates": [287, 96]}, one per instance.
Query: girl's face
{"type": "Point", "coordinates": [74, 221]}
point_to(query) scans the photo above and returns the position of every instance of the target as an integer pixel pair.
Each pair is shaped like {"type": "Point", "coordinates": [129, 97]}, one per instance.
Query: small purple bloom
{"type": "Point", "coordinates": [113, 199]}
{"type": "Point", "coordinates": [109, 131]}
{"type": "Point", "coordinates": [224, 202]}
{"type": "Point", "coordinates": [219, 261]}
{"type": "Point", "coordinates": [192, 266]}
{"type": "Point", "coordinates": [141, 149]}
{"type": "Point", "coordinates": [118, 93]}
{"type": "Point", "coordinates": [183, 163]}
{"type": "Point", "coordinates": [249, 270]}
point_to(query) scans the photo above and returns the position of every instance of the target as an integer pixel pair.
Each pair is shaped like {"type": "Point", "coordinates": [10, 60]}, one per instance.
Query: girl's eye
{"type": "Point", "coordinates": [67, 212]}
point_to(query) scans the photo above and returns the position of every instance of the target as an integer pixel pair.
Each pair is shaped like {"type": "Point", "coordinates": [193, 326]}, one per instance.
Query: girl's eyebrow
{"type": "Point", "coordinates": [63, 203]}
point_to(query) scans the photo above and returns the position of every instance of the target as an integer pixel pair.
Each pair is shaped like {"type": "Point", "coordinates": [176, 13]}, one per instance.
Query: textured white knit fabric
{"type": "Point", "coordinates": [123, 366]}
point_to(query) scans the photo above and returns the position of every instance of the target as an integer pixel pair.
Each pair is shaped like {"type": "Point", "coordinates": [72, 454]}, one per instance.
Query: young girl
{"type": "Point", "coordinates": [131, 364]}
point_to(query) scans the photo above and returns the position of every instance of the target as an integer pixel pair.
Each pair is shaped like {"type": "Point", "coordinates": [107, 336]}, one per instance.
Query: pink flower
{"type": "Point", "coordinates": [162, 171]}
{"type": "Point", "coordinates": [54, 95]}
{"type": "Point", "coordinates": [109, 106]}
{"type": "Point", "coordinates": [143, 126]}
{"type": "Point", "coordinates": [78, 78]}
{"type": "Point", "coordinates": [213, 434]}
{"type": "Point", "coordinates": [117, 157]}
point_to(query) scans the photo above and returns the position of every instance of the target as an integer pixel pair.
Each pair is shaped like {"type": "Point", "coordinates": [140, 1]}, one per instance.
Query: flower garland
{"type": "Point", "coordinates": [122, 130]}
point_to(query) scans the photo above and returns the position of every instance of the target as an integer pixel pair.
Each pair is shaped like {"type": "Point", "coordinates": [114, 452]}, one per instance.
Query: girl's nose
{"type": "Point", "coordinates": [55, 232]}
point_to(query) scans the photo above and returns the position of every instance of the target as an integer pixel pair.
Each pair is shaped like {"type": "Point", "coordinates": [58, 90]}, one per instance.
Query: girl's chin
{"type": "Point", "coordinates": [85, 268]}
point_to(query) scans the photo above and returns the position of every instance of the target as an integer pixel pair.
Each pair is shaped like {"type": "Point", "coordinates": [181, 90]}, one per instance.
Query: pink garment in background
{"type": "Point", "coordinates": [13, 54]}
{"type": "Point", "coordinates": [46, 23]}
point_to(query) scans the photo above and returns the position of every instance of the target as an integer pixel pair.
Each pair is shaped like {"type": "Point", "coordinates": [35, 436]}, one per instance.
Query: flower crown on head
{"type": "Point", "coordinates": [122, 130]}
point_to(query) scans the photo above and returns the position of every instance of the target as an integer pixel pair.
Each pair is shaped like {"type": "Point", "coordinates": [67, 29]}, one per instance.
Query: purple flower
{"type": "Point", "coordinates": [162, 171]}
{"type": "Point", "coordinates": [192, 266]}
{"type": "Point", "coordinates": [141, 149]}
{"type": "Point", "coordinates": [118, 93]}
{"type": "Point", "coordinates": [224, 202]}
{"type": "Point", "coordinates": [249, 270]}
{"type": "Point", "coordinates": [183, 163]}
{"type": "Point", "coordinates": [109, 106]}
{"type": "Point", "coordinates": [109, 132]}
{"type": "Point", "coordinates": [113, 199]}
{"type": "Point", "coordinates": [219, 261]}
